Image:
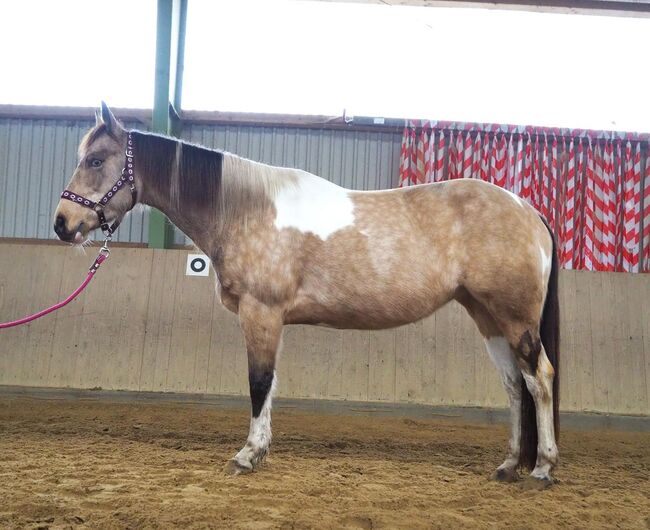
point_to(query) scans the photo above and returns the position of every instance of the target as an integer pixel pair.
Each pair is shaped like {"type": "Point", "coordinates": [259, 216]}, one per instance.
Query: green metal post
{"type": "Point", "coordinates": [170, 48]}
{"type": "Point", "coordinates": [178, 65]}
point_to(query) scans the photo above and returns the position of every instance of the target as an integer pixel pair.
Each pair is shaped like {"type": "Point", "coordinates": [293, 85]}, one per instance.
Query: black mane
{"type": "Point", "coordinates": [194, 180]}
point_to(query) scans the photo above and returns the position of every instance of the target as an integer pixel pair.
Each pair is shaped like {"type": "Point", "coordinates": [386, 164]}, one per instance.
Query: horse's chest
{"type": "Point", "coordinates": [263, 268]}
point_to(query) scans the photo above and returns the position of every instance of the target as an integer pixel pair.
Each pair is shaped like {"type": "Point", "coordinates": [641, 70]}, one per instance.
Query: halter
{"type": "Point", "coordinates": [98, 207]}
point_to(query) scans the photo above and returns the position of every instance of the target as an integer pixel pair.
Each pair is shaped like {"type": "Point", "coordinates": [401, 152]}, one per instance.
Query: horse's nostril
{"type": "Point", "coordinates": [59, 225]}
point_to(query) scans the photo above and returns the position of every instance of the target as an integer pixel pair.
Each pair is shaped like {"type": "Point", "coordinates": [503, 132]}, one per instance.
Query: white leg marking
{"type": "Point", "coordinates": [541, 388]}
{"type": "Point", "coordinates": [313, 205]}
{"type": "Point", "coordinates": [504, 359]}
{"type": "Point", "coordinates": [259, 434]}
{"type": "Point", "coordinates": [260, 428]}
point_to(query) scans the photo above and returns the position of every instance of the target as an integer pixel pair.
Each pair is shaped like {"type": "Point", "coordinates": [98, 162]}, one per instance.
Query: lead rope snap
{"type": "Point", "coordinates": [104, 248]}
{"type": "Point", "coordinates": [104, 252]}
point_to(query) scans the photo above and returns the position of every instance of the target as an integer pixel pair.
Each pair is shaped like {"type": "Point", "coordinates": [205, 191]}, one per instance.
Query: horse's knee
{"type": "Point", "coordinates": [262, 327]}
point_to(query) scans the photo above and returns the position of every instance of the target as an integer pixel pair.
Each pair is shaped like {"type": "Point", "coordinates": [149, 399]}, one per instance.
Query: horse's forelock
{"type": "Point", "coordinates": [91, 136]}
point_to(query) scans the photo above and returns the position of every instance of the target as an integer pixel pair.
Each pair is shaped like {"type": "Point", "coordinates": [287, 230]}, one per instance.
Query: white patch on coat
{"type": "Point", "coordinates": [504, 359]}
{"type": "Point", "coordinates": [313, 205]}
{"type": "Point", "coordinates": [380, 244]}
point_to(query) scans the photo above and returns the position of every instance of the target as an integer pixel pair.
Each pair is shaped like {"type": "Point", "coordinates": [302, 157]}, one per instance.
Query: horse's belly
{"type": "Point", "coordinates": [363, 309]}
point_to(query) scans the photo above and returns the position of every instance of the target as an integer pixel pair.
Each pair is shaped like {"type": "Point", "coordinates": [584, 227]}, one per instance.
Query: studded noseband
{"type": "Point", "coordinates": [98, 207]}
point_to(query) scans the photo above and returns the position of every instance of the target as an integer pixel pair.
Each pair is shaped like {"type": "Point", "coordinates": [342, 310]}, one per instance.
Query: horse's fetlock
{"type": "Point", "coordinates": [548, 455]}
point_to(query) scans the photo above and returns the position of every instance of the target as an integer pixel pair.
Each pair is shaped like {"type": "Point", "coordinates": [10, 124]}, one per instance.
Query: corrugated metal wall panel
{"type": "Point", "coordinates": [357, 160]}
{"type": "Point", "coordinates": [37, 157]}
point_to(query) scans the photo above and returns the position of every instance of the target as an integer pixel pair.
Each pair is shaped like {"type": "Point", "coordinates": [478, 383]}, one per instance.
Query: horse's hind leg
{"type": "Point", "coordinates": [504, 359]}
{"type": "Point", "coordinates": [262, 327]}
{"type": "Point", "coordinates": [538, 373]}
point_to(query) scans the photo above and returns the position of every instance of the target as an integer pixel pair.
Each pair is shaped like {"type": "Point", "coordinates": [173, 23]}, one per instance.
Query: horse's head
{"type": "Point", "coordinates": [102, 158]}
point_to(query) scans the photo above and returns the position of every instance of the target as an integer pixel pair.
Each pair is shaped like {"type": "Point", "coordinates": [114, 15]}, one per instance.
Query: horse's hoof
{"type": "Point", "coordinates": [537, 483]}
{"type": "Point", "coordinates": [505, 475]}
{"type": "Point", "coordinates": [235, 467]}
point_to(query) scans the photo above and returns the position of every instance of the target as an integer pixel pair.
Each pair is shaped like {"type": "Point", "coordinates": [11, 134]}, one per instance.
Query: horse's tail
{"type": "Point", "coordinates": [550, 336]}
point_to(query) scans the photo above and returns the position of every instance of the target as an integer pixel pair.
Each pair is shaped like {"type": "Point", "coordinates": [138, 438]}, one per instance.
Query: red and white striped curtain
{"type": "Point", "coordinates": [593, 190]}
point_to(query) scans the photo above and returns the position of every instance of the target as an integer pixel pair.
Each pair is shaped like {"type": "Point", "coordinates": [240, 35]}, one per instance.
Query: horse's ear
{"type": "Point", "coordinates": [112, 127]}
{"type": "Point", "coordinates": [98, 117]}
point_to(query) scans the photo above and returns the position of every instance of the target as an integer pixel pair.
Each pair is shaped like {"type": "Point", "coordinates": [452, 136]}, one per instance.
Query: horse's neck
{"type": "Point", "coordinates": [246, 196]}
{"type": "Point", "coordinates": [158, 165]}
{"type": "Point", "coordinates": [190, 225]}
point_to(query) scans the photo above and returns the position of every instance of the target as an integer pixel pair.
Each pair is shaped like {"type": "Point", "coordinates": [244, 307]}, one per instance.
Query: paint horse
{"type": "Point", "coordinates": [289, 247]}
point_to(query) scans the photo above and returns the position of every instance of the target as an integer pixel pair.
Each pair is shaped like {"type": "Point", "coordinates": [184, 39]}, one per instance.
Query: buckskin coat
{"type": "Point", "coordinates": [289, 247]}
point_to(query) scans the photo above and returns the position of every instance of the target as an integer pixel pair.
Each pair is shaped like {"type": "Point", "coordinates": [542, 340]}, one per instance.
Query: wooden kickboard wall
{"type": "Point", "coordinates": [142, 324]}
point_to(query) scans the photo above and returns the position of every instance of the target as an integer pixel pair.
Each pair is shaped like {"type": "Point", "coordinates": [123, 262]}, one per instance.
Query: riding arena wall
{"type": "Point", "coordinates": [144, 325]}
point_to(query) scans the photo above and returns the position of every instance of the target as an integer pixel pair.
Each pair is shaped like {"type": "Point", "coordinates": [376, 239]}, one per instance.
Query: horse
{"type": "Point", "coordinates": [288, 247]}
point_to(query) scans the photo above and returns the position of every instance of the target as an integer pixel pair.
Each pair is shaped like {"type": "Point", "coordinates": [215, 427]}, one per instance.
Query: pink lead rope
{"type": "Point", "coordinates": [101, 257]}
{"type": "Point", "coordinates": [127, 179]}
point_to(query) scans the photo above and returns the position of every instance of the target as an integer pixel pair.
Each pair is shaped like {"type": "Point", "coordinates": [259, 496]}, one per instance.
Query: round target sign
{"type": "Point", "coordinates": [197, 265]}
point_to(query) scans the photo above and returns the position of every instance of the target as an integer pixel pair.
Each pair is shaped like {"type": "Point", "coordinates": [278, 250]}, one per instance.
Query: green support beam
{"type": "Point", "coordinates": [170, 52]}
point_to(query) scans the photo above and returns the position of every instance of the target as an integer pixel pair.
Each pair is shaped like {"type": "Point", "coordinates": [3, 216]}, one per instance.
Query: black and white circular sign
{"type": "Point", "coordinates": [197, 265]}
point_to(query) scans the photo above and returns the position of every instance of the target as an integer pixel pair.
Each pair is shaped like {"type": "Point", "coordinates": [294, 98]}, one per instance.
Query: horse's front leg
{"type": "Point", "coordinates": [262, 327]}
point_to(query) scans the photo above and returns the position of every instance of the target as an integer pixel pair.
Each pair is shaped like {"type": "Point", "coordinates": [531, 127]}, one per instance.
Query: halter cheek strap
{"type": "Point", "coordinates": [127, 178]}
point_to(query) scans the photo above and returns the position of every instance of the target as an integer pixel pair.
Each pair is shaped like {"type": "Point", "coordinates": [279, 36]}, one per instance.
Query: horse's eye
{"type": "Point", "coordinates": [96, 162]}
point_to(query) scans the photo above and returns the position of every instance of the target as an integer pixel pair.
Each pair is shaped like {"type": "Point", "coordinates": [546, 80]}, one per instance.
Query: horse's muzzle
{"type": "Point", "coordinates": [64, 234]}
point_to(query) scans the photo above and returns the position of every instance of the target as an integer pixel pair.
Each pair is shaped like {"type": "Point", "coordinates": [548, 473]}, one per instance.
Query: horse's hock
{"type": "Point", "coordinates": [144, 325]}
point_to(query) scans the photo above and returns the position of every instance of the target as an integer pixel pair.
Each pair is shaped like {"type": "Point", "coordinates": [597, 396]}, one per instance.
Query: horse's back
{"type": "Point", "coordinates": [464, 219]}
